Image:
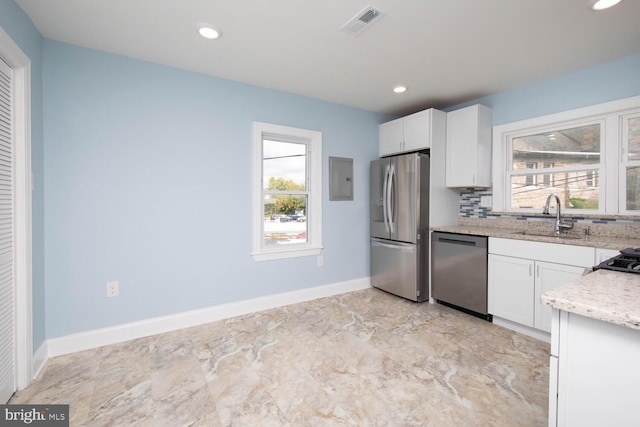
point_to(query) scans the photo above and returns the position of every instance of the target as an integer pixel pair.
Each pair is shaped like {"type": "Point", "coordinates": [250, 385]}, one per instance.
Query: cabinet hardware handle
{"type": "Point", "coordinates": [529, 269]}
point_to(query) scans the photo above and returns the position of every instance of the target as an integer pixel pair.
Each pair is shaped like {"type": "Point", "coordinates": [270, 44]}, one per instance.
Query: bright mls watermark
{"type": "Point", "coordinates": [34, 415]}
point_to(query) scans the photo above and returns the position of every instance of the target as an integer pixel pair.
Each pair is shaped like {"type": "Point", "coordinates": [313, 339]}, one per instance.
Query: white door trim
{"type": "Point", "coordinates": [21, 65]}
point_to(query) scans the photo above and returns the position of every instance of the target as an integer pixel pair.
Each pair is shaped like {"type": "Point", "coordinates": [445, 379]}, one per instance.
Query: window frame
{"type": "Point", "coordinates": [313, 140]}
{"type": "Point", "coordinates": [612, 184]}
{"type": "Point", "coordinates": [550, 171]}
{"type": "Point", "coordinates": [624, 162]}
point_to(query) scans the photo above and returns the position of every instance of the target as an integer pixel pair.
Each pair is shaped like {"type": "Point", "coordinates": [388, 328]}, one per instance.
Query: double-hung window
{"type": "Point", "coordinates": [287, 192]}
{"type": "Point", "coordinates": [589, 157]}
{"type": "Point", "coordinates": [630, 169]}
{"type": "Point", "coordinates": [561, 160]}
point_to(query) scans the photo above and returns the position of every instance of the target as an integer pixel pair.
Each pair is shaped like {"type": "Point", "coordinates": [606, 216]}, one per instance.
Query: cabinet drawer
{"type": "Point", "coordinates": [582, 256]}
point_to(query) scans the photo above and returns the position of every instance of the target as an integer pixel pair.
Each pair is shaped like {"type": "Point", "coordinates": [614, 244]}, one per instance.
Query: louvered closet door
{"type": "Point", "coordinates": [7, 317]}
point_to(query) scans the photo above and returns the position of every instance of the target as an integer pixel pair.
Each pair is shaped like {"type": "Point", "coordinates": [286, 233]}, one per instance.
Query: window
{"type": "Point", "coordinates": [589, 156]}
{"type": "Point", "coordinates": [530, 179]}
{"type": "Point", "coordinates": [631, 162]}
{"type": "Point", "coordinates": [287, 192]}
{"type": "Point", "coordinates": [568, 156]}
{"type": "Point", "coordinates": [548, 179]}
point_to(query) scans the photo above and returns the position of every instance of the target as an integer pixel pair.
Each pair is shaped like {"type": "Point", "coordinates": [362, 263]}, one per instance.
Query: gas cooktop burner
{"type": "Point", "coordinates": [628, 261]}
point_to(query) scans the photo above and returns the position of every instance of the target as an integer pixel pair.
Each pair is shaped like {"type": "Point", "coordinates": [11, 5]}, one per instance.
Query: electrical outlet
{"type": "Point", "coordinates": [320, 261]}
{"type": "Point", "coordinates": [113, 289]}
{"type": "Point", "coordinates": [486, 201]}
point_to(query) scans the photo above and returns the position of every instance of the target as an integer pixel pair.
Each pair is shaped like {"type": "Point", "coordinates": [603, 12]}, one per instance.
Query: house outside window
{"type": "Point", "coordinates": [287, 192]}
{"type": "Point", "coordinates": [529, 180]}
{"type": "Point", "coordinates": [548, 178]}
{"type": "Point", "coordinates": [567, 156]}
{"type": "Point", "coordinates": [591, 180]}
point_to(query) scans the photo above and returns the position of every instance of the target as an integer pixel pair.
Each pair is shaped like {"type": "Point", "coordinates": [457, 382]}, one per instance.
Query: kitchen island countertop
{"type": "Point", "coordinates": [605, 295]}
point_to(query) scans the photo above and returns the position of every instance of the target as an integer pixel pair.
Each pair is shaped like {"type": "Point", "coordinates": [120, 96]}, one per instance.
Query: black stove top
{"type": "Point", "coordinates": [628, 261]}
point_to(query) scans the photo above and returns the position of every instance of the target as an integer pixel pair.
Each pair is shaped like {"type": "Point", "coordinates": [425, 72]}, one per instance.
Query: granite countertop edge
{"type": "Point", "coordinates": [602, 242]}
{"type": "Point", "coordinates": [602, 295]}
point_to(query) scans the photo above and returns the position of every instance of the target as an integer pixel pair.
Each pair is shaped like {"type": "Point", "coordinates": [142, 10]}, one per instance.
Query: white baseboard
{"type": "Point", "coordinates": [523, 329]}
{"type": "Point", "coordinates": [101, 337]}
{"type": "Point", "coordinates": [40, 358]}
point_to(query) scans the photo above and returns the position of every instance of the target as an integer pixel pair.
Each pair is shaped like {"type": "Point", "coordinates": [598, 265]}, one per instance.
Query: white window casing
{"type": "Point", "coordinates": [625, 162]}
{"type": "Point", "coordinates": [313, 141]}
{"type": "Point", "coordinates": [611, 169]}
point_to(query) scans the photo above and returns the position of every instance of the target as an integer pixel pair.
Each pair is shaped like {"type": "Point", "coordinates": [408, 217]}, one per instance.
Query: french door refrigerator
{"type": "Point", "coordinates": [400, 225]}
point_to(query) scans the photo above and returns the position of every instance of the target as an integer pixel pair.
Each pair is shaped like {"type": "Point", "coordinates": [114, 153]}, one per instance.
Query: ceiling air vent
{"type": "Point", "coordinates": [362, 20]}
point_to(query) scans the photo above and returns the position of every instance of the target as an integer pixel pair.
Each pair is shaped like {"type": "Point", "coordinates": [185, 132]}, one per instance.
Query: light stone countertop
{"type": "Point", "coordinates": [603, 295]}
{"type": "Point", "coordinates": [615, 237]}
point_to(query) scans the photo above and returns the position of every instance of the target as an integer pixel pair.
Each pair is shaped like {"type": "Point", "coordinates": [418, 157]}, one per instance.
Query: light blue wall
{"type": "Point", "coordinates": [22, 31]}
{"type": "Point", "coordinates": [148, 173]}
{"type": "Point", "coordinates": [148, 180]}
{"type": "Point", "coordinates": [602, 83]}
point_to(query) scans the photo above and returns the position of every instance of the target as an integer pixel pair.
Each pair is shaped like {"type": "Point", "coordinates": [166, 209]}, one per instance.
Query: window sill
{"type": "Point", "coordinates": [566, 213]}
{"type": "Point", "coordinates": [289, 253]}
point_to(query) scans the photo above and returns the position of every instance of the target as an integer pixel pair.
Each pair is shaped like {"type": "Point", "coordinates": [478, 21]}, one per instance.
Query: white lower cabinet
{"type": "Point", "coordinates": [511, 288]}
{"type": "Point", "coordinates": [550, 276]}
{"type": "Point", "coordinates": [520, 271]}
{"type": "Point", "coordinates": [593, 373]}
{"type": "Point", "coordinates": [604, 254]}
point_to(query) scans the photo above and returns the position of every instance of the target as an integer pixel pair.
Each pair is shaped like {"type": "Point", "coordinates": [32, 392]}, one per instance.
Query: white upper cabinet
{"type": "Point", "coordinates": [411, 133]}
{"type": "Point", "coordinates": [391, 135]}
{"type": "Point", "coordinates": [469, 147]}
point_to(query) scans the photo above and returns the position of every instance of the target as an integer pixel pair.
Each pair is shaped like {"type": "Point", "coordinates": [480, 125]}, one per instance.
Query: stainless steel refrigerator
{"type": "Point", "coordinates": [400, 225]}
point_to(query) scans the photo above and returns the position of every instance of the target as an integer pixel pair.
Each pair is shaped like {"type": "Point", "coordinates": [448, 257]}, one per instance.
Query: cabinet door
{"type": "Point", "coordinates": [416, 131]}
{"type": "Point", "coordinates": [604, 254]}
{"type": "Point", "coordinates": [598, 373]}
{"type": "Point", "coordinates": [469, 147]}
{"type": "Point", "coordinates": [511, 288]}
{"type": "Point", "coordinates": [391, 137]}
{"type": "Point", "coordinates": [550, 276]}
{"type": "Point", "coordinates": [462, 146]}
{"type": "Point", "coordinates": [553, 391]}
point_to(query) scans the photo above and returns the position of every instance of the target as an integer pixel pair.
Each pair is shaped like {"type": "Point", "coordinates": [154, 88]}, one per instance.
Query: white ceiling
{"type": "Point", "coordinates": [445, 51]}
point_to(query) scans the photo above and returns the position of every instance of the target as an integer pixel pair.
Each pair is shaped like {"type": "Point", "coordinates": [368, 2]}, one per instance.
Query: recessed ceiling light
{"type": "Point", "coordinates": [602, 4]}
{"type": "Point", "coordinates": [209, 32]}
{"type": "Point", "coordinates": [400, 89]}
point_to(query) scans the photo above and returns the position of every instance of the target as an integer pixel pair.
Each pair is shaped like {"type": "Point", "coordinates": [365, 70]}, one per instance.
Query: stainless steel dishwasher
{"type": "Point", "coordinates": [459, 272]}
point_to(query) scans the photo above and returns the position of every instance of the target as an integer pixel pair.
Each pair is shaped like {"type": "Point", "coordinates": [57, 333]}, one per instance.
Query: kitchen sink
{"type": "Point", "coordinates": [548, 235]}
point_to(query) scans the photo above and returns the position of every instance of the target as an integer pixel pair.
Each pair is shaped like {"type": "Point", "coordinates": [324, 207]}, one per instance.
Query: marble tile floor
{"type": "Point", "coordinates": [365, 358]}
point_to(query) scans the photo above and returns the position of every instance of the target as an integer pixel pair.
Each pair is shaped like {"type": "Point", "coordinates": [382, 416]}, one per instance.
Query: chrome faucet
{"type": "Point", "coordinates": [560, 224]}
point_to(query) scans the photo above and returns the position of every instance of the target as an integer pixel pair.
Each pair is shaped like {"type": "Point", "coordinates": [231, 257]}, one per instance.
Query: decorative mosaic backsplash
{"type": "Point", "coordinates": [470, 208]}
{"type": "Point", "coordinates": [470, 203]}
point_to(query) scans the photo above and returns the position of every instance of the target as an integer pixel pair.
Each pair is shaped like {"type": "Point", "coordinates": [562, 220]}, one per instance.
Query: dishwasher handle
{"type": "Point", "coordinates": [459, 239]}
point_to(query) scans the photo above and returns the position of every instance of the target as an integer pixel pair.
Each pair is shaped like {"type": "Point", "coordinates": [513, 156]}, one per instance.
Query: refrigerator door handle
{"type": "Point", "coordinates": [384, 199]}
{"type": "Point", "coordinates": [389, 201]}
{"type": "Point", "coordinates": [405, 247]}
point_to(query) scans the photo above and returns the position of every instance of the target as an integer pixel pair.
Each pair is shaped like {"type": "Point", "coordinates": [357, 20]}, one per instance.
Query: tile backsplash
{"type": "Point", "coordinates": [470, 203]}
{"type": "Point", "coordinates": [470, 208]}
